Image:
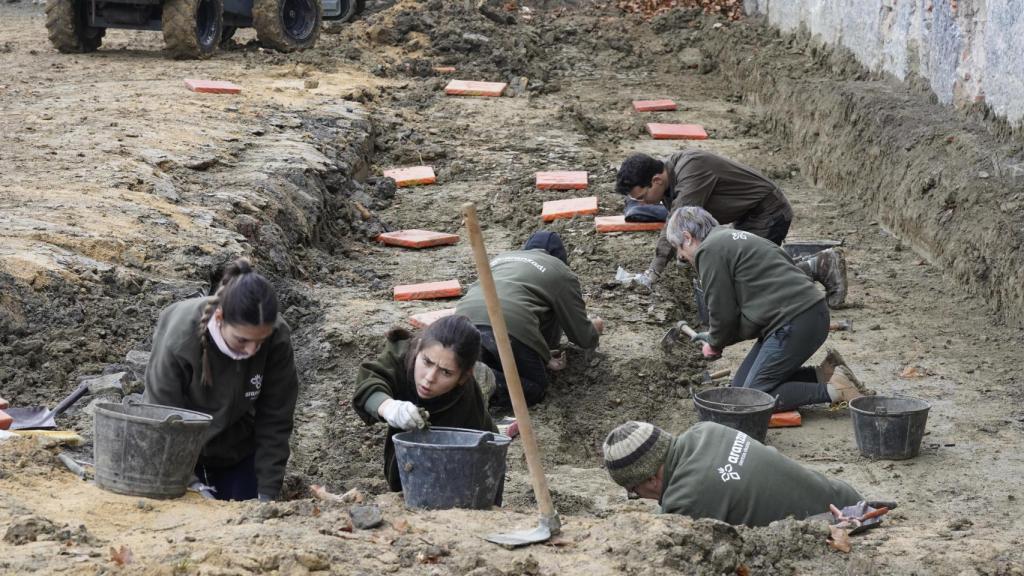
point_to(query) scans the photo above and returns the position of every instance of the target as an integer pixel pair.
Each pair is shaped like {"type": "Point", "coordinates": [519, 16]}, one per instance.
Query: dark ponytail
{"type": "Point", "coordinates": [244, 297]}
{"type": "Point", "coordinates": [456, 333]}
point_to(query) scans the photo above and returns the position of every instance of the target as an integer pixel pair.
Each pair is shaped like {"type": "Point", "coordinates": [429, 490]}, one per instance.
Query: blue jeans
{"type": "Point", "coordinates": [774, 364]}
{"type": "Point", "coordinates": [236, 482]}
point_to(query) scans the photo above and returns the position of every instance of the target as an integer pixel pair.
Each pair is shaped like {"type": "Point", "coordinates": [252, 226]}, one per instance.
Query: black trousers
{"type": "Point", "coordinates": [533, 370]}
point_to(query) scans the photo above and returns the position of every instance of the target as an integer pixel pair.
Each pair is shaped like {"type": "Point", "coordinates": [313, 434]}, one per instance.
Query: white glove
{"type": "Point", "coordinates": [401, 414]}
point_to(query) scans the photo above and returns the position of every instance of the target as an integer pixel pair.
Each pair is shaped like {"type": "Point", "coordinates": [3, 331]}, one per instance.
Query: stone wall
{"type": "Point", "coordinates": [968, 51]}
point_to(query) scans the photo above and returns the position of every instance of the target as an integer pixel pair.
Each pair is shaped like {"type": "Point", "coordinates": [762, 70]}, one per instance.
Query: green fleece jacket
{"type": "Point", "coordinates": [388, 377]}
{"type": "Point", "coordinates": [730, 191]}
{"type": "Point", "coordinates": [713, 471]}
{"type": "Point", "coordinates": [751, 286]}
{"type": "Point", "coordinates": [540, 298]}
{"type": "Point", "coordinates": [252, 401]}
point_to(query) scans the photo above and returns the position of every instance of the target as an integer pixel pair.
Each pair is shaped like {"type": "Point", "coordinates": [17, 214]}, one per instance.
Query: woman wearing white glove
{"type": "Point", "coordinates": [423, 380]}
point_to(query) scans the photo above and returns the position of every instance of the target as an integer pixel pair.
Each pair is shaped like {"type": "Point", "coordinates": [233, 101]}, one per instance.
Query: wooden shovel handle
{"type": "Point", "coordinates": [508, 362]}
{"type": "Point", "coordinates": [719, 374]}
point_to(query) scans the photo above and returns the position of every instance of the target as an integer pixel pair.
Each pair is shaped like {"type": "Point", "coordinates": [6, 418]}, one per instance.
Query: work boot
{"type": "Point", "coordinates": [484, 377]}
{"type": "Point", "coordinates": [834, 359]}
{"type": "Point", "coordinates": [829, 268]}
{"type": "Point", "coordinates": [843, 387]}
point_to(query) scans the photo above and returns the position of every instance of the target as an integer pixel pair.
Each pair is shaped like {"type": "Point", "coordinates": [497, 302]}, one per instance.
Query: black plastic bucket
{"type": "Point", "coordinates": [145, 449]}
{"type": "Point", "coordinates": [743, 409]}
{"type": "Point", "coordinates": [889, 427]}
{"type": "Point", "coordinates": [451, 467]}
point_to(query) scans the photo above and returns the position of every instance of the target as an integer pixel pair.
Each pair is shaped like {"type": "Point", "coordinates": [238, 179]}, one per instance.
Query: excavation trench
{"type": "Point", "coordinates": [278, 177]}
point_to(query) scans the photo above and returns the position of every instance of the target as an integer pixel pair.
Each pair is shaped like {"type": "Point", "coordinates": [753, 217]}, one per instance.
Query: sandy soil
{"type": "Point", "coordinates": [124, 192]}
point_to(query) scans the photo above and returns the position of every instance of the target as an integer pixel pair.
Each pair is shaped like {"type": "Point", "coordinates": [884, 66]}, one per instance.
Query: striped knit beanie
{"type": "Point", "coordinates": [634, 451]}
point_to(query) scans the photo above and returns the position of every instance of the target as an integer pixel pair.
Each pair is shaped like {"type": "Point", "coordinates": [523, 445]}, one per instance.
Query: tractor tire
{"type": "Point", "coordinates": [68, 28]}
{"type": "Point", "coordinates": [350, 10]}
{"type": "Point", "coordinates": [287, 25]}
{"type": "Point", "coordinates": [193, 28]}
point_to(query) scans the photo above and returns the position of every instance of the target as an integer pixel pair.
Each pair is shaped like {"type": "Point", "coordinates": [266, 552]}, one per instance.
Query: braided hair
{"type": "Point", "coordinates": [244, 297]}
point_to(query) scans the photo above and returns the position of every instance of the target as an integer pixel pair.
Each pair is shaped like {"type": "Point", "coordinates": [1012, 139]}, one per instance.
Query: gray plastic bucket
{"type": "Point", "coordinates": [450, 467]}
{"type": "Point", "coordinates": [743, 409]}
{"type": "Point", "coordinates": [889, 427]}
{"type": "Point", "coordinates": [145, 449]}
{"type": "Point", "coordinates": [800, 248]}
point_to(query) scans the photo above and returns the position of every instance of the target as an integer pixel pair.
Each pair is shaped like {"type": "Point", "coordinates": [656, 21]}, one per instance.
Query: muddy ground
{"type": "Point", "coordinates": [122, 192]}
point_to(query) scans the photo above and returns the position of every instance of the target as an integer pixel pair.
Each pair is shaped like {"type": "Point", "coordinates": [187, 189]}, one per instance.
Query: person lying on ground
{"type": "Point", "coordinates": [713, 471]}
{"type": "Point", "coordinates": [734, 194]}
{"type": "Point", "coordinates": [753, 290]}
{"type": "Point", "coordinates": [432, 379]}
{"type": "Point", "coordinates": [230, 355]}
{"type": "Point", "coordinates": [540, 298]}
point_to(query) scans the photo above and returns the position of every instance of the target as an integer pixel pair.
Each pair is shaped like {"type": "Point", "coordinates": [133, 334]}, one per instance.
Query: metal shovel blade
{"type": "Point", "coordinates": [31, 418]}
{"type": "Point", "coordinates": [541, 533]}
{"type": "Point", "coordinates": [670, 339]}
{"type": "Point", "coordinates": [39, 418]}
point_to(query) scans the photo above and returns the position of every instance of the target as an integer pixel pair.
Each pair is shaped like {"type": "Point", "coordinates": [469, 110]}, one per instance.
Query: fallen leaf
{"type": "Point", "coordinates": [914, 372]}
{"type": "Point", "coordinates": [840, 539]}
{"type": "Point", "coordinates": [742, 570]}
{"type": "Point", "coordinates": [401, 525]}
{"type": "Point", "coordinates": [122, 557]}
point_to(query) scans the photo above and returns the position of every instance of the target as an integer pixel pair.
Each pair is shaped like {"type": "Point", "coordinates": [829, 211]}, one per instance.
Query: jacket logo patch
{"type": "Point", "coordinates": [727, 473]}
{"type": "Point", "coordinates": [739, 235]}
{"type": "Point", "coordinates": [255, 385]}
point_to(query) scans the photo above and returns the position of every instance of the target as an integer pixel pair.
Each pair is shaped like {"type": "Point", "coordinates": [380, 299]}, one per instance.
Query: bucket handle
{"type": "Point", "coordinates": [174, 419]}
{"type": "Point", "coordinates": [485, 437]}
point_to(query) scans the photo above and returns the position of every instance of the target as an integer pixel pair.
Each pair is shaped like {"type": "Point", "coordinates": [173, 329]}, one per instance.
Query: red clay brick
{"type": "Point", "coordinates": [555, 209]}
{"type": "Point", "coordinates": [5, 420]}
{"type": "Point", "coordinates": [654, 105]}
{"type": "Point", "coordinates": [429, 290]}
{"type": "Point", "coordinates": [561, 180]}
{"type": "Point", "coordinates": [412, 176]}
{"type": "Point", "coordinates": [417, 238]}
{"type": "Point", "coordinates": [424, 319]}
{"type": "Point", "coordinates": [472, 88]}
{"type": "Point", "coordinates": [619, 224]}
{"type": "Point", "coordinates": [785, 419]}
{"type": "Point", "coordinates": [212, 86]}
{"type": "Point", "coordinates": [677, 131]}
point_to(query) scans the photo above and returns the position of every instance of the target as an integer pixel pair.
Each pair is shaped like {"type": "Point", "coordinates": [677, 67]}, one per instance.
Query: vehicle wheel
{"type": "Point", "coordinates": [350, 9]}
{"type": "Point", "coordinates": [287, 25]}
{"type": "Point", "coordinates": [68, 28]}
{"type": "Point", "coordinates": [226, 34]}
{"type": "Point", "coordinates": [193, 28]}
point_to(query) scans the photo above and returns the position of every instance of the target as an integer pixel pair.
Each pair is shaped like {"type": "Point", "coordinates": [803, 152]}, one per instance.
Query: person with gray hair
{"type": "Point", "coordinates": [753, 290]}
{"type": "Point", "coordinates": [713, 471]}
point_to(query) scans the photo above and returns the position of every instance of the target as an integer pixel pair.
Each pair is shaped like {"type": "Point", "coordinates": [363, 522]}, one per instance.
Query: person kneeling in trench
{"type": "Point", "coordinates": [433, 379]}
{"type": "Point", "coordinates": [246, 380]}
{"type": "Point", "coordinates": [753, 290]}
{"type": "Point", "coordinates": [540, 298]}
{"type": "Point", "coordinates": [713, 471]}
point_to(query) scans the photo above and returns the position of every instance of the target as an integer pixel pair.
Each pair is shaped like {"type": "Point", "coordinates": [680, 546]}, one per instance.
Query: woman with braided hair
{"type": "Point", "coordinates": [230, 355]}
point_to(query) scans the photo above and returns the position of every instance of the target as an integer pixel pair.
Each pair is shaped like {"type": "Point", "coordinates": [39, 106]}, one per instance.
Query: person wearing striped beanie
{"type": "Point", "coordinates": [713, 471]}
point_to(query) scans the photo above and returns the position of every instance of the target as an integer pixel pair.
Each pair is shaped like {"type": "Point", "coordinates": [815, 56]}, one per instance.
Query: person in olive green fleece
{"type": "Point", "coordinates": [713, 471]}
{"type": "Point", "coordinates": [753, 290]}
{"type": "Point", "coordinates": [541, 298]}
{"type": "Point", "coordinates": [734, 194]}
{"type": "Point", "coordinates": [431, 379]}
{"type": "Point", "coordinates": [230, 356]}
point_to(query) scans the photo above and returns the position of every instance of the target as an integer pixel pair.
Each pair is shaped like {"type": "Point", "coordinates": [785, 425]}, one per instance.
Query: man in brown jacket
{"type": "Point", "coordinates": [734, 194]}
